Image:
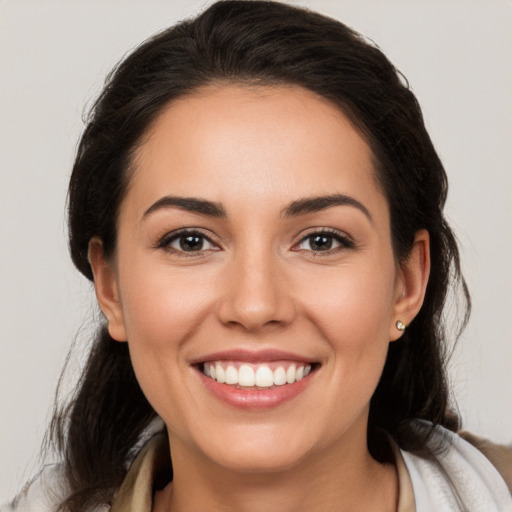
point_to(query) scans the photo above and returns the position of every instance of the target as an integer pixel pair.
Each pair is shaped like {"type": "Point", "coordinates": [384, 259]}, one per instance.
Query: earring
{"type": "Point", "coordinates": [400, 325]}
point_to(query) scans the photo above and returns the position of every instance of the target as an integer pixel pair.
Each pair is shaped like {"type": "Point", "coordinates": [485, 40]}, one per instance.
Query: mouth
{"type": "Point", "coordinates": [255, 380]}
{"type": "Point", "coordinates": [261, 375]}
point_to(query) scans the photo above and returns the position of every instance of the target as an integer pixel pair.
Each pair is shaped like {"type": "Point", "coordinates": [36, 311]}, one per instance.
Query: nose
{"type": "Point", "coordinates": [256, 293]}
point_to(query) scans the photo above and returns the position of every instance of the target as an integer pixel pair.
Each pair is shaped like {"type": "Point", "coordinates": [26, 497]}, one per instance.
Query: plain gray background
{"type": "Point", "coordinates": [54, 55]}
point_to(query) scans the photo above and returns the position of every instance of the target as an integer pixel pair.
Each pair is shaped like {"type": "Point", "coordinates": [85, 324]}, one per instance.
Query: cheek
{"type": "Point", "coordinates": [352, 307]}
{"type": "Point", "coordinates": [161, 305]}
{"type": "Point", "coordinates": [353, 318]}
{"type": "Point", "coordinates": [162, 310]}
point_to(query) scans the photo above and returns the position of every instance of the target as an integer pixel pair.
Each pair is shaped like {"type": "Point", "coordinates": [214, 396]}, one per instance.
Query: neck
{"type": "Point", "coordinates": [343, 479]}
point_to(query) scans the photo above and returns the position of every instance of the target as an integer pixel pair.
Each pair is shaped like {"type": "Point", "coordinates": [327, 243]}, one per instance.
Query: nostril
{"type": "Point", "coordinates": [256, 313]}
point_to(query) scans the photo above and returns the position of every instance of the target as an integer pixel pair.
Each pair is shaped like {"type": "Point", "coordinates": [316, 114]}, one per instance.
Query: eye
{"type": "Point", "coordinates": [187, 241]}
{"type": "Point", "coordinates": [324, 241]}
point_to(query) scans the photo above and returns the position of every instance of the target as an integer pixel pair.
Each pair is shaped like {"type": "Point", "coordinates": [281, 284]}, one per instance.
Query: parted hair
{"type": "Point", "coordinates": [268, 43]}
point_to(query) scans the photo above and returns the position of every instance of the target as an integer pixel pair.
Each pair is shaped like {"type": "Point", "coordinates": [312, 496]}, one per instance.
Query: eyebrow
{"type": "Point", "coordinates": [315, 204]}
{"type": "Point", "coordinates": [299, 207]}
{"type": "Point", "coordinates": [191, 204]}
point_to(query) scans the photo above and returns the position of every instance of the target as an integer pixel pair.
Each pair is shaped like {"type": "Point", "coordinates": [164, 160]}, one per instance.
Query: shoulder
{"type": "Point", "coordinates": [44, 493]}
{"type": "Point", "coordinates": [499, 454]}
{"type": "Point", "coordinates": [49, 488]}
{"type": "Point", "coordinates": [457, 477]}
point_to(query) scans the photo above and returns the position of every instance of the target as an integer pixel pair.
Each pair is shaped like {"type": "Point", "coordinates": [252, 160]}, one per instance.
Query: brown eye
{"type": "Point", "coordinates": [324, 241]}
{"type": "Point", "coordinates": [321, 242]}
{"type": "Point", "coordinates": [190, 242]}
{"type": "Point", "coordinates": [187, 241]}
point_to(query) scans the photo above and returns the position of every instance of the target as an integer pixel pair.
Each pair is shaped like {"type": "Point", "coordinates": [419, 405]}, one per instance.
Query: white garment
{"type": "Point", "coordinates": [459, 479]}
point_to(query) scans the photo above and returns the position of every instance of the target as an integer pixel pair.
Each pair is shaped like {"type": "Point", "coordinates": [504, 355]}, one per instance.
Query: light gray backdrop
{"type": "Point", "coordinates": [54, 55]}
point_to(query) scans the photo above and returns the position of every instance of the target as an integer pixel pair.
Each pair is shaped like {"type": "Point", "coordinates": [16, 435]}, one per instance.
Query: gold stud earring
{"type": "Point", "coordinates": [400, 325]}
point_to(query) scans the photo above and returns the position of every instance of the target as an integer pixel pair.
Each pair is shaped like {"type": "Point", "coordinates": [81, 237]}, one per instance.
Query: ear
{"type": "Point", "coordinates": [411, 284]}
{"type": "Point", "coordinates": [107, 292]}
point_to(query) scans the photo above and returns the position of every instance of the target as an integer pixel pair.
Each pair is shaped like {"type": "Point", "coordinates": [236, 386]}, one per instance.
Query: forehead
{"type": "Point", "coordinates": [253, 143]}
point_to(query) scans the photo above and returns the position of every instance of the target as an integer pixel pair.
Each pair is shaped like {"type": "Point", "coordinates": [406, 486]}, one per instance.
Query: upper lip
{"type": "Point", "coordinates": [249, 356]}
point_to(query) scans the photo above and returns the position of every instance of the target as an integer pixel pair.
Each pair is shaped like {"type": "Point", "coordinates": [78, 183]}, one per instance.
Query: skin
{"type": "Point", "coordinates": [258, 284]}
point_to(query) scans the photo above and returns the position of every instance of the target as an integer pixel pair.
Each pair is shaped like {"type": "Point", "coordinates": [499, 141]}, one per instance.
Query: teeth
{"type": "Point", "coordinates": [264, 377]}
{"type": "Point", "coordinates": [231, 375]}
{"type": "Point", "coordinates": [220, 374]}
{"type": "Point", "coordinates": [279, 376]}
{"type": "Point", "coordinates": [290, 374]}
{"type": "Point", "coordinates": [259, 375]}
{"type": "Point", "coordinates": [245, 376]}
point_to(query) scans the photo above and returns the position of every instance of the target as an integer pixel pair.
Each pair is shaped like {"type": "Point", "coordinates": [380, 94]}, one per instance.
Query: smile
{"type": "Point", "coordinates": [256, 380]}
{"type": "Point", "coordinates": [256, 375]}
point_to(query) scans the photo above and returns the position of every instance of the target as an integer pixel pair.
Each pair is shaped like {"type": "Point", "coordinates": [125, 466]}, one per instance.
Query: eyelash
{"type": "Point", "coordinates": [344, 241]}
{"type": "Point", "coordinates": [168, 239]}
{"type": "Point", "coordinates": [165, 242]}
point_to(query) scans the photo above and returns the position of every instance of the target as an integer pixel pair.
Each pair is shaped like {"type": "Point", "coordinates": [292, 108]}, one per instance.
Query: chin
{"type": "Point", "coordinates": [253, 452]}
{"type": "Point", "coordinates": [260, 462]}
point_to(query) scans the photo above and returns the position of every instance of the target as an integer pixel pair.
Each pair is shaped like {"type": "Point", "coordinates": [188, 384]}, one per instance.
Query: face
{"type": "Point", "coordinates": [254, 247]}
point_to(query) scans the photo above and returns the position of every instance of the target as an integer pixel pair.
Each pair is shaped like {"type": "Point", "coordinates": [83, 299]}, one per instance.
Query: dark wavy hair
{"type": "Point", "coordinates": [267, 43]}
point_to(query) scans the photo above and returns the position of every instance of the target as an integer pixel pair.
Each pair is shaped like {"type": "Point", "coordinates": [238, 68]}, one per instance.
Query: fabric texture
{"type": "Point", "coordinates": [457, 479]}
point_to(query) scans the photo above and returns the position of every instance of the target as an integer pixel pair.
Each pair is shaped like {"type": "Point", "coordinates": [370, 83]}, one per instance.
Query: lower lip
{"type": "Point", "coordinates": [253, 398]}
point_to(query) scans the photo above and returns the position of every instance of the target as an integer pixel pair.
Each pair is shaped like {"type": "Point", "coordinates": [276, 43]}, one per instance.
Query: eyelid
{"type": "Point", "coordinates": [164, 241]}
{"type": "Point", "coordinates": [340, 236]}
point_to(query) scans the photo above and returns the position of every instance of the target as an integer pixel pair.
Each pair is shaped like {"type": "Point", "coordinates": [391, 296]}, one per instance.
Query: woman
{"type": "Point", "coordinates": [260, 208]}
